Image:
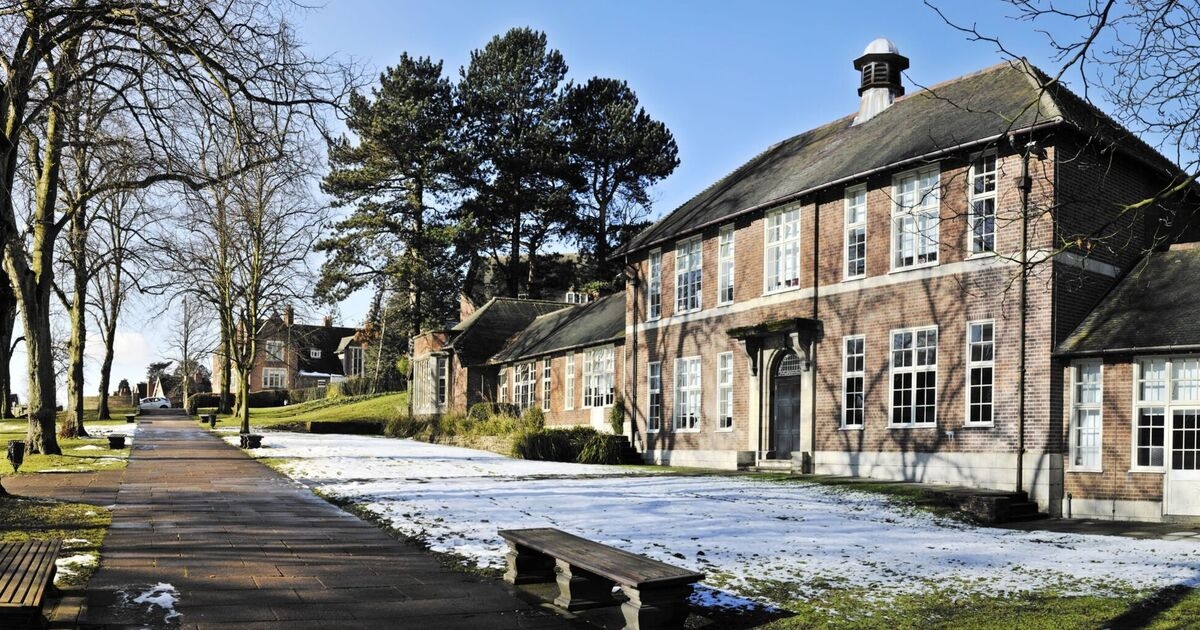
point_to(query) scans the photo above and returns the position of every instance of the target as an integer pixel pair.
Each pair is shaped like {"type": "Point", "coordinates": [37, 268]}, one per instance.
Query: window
{"type": "Point", "coordinates": [502, 394]}
{"type": "Point", "coordinates": [856, 232]}
{"type": "Point", "coordinates": [687, 276]}
{"type": "Point", "coordinates": [654, 386]}
{"type": "Point", "coordinates": [982, 202]}
{"type": "Point", "coordinates": [274, 350]}
{"type": "Point", "coordinates": [443, 377]}
{"type": "Point", "coordinates": [1165, 388]}
{"type": "Point", "coordinates": [725, 390]}
{"type": "Point", "coordinates": [598, 377]}
{"type": "Point", "coordinates": [314, 353]}
{"type": "Point", "coordinates": [274, 378]}
{"type": "Point", "coordinates": [654, 285]}
{"type": "Point", "coordinates": [524, 385]}
{"type": "Point", "coordinates": [783, 249]}
{"type": "Point", "coordinates": [980, 371]}
{"type": "Point", "coordinates": [725, 266]}
{"type": "Point", "coordinates": [546, 384]}
{"type": "Point", "coordinates": [687, 394]}
{"type": "Point", "coordinates": [915, 214]}
{"type": "Point", "coordinates": [1086, 387]}
{"type": "Point", "coordinates": [854, 381]}
{"type": "Point", "coordinates": [569, 389]}
{"type": "Point", "coordinates": [914, 376]}
{"type": "Point", "coordinates": [354, 361]}
{"type": "Point", "coordinates": [577, 297]}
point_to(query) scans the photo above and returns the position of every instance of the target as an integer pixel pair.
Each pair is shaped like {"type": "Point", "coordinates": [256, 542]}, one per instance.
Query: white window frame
{"type": "Point", "coordinates": [1162, 404]}
{"type": "Point", "coordinates": [1076, 407]}
{"type": "Point", "coordinates": [725, 391]}
{"type": "Point", "coordinates": [654, 285]}
{"type": "Point", "coordinates": [569, 388]}
{"type": "Point", "coordinates": [273, 350]}
{"type": "Point", "coordinates": [978, 193]}
{"type": "Point", "coordinates": [442, 368]}
{"type": "Point", "coordinates": [981, 364]}
{"type": "Point", "coordinates": [502, 391]}
{"type": "Point", "coordinates": [781, 250]}
{"type": "Point", "coordinates": [354, 361]}
{"type": "Point", "coordinates": [314, 353]}
{"type": "Point", "coordinates": [915, 368]}
{"type": "Point", "coordinates": [922, 207]}
{"type": "Point", "coordinates": [855, 210]}
{"type": "Point", "coordinates": [599, 368]}
{"type": "Point", "coordinates": [725, 266]}
{"type": "Point", "coordinates": [689, 275]}
{"type": "Point", "coordinates": [860, 374]}
{"type": "Point", "coordinates": [525, 384]}
{"type": "Point", "coordinates": [270, 374]}
{"type": "Point", "coordinates": [689, 392]}
{"type": "Point", "coordinates": [547, 371]}
{"type": "Point", "coordinates": [654, 393]}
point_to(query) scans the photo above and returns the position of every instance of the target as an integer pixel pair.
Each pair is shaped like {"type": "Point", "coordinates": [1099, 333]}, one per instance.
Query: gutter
{"type": "Point", "coordinates": [844, 180]}
{"type": "Point", "coordinates": [1171, 349]}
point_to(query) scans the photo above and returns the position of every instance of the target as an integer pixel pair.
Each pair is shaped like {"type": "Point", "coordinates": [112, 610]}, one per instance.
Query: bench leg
{"type": "Point", "coordinates": [526, 566]}
{"type": "Point", "coordinates": [580, 589]}
{"type": "Point", "coordinates": [659, 608]}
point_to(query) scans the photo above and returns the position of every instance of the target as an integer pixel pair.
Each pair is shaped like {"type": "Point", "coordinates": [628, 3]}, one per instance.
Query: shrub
{"type": "Point", "coordinates": [408, 427]}
{"type": "Point", "coordinates": [601, 449]}
{"type": "Point", "coordinates": [553, 445]}
{"type": "Point", "coordinates": [203, 399]}
{"type": "Point", "coordinates": [616, 416]}
{"type": "Point", "coordinates": [484, 410]}
{"type": "Point", "coordinates": [495, 425]}
{"type": "Point", "coordinates": [267, 398]}
{"type": "Point", "coordinates": [534, 419]}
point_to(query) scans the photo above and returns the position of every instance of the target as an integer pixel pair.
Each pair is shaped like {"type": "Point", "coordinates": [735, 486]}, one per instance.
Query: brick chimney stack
{"type": "Point", "coordinates": [329, 321]}
{"type": "Point", "coordinates": [288, 315]}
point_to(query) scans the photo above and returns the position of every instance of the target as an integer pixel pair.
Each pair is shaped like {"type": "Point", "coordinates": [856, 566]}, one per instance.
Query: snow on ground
{"type": "Point", "coordinates": [70, 565]}
{"type": "Point", "coordinates": [738, 529]}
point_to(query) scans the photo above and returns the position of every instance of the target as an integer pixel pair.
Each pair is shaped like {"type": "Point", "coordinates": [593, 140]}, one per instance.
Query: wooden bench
{"type": "Point", "coordinates": [587, 571]}
{"type": "Point", "coordinates": [26, 575]}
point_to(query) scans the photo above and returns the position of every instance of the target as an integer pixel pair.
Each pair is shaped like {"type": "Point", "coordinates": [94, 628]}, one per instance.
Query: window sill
{"type": "Point", "coordinates": [979, 425]}
{"type": "Point", "coordinates": [1085, 470]}
{"type": "Point", "coordinates": [696, 430]}
{"type": "Point", "coordinates": [914, 267]}
{"type": "Point", "coordinates": [924, 425]}
{"type": "Point", "coordinates": [724, 304]}
{"type": "Point", "coordinates": [854, 278]}
{"type": "Point", "coordinates": [767, 292]}
{"type": "Point", "coordinates": [978, 255]}
{"type": "Point", "coordinates": [846, 428]}
{"type": "Point", "coordinates": [1148, 471]}
{"type": "Point", "coordinates": [654, 431]}
{"type": "Point", "coordinates": [724, 430]}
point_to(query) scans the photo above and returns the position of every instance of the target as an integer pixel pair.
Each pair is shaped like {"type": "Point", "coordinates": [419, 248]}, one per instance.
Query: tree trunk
{"type": "Point", "coordinates": [72, 424]}
{"type": "Point", "coordinates": [36, 319]}
{"type": "Point", "coordinates": [244, 406]}
{"type": "Point", "coordinates": [8, 320]}
{"type": "Point", "coordinates": [225, 405]}
{"type": "Point", "coordinates": [514, 259]}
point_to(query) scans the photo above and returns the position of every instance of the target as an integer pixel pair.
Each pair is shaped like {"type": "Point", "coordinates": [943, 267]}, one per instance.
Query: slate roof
{"type": "Point", "coordinates": [487, 329]}
{"type": "Point", "coordinates": [601, 321]}
{"type": "Point", "coordinates": [1155, 307]}
{"type": "Point", "coordinates": [327, 339]}
{"type": "Point", "coordinates": [972, 109]}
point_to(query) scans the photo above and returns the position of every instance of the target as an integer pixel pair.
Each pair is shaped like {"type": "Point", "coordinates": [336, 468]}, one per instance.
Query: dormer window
{"type": "Point", "coordinates": [314, 353]}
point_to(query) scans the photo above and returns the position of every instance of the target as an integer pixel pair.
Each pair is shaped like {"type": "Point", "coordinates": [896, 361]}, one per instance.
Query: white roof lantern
{"type": "Point", "coordinates": [881, 46]}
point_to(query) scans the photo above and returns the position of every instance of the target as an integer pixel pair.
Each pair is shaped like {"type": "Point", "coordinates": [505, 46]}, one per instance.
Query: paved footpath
{"type": "Point", "coordinates": [236, 545]}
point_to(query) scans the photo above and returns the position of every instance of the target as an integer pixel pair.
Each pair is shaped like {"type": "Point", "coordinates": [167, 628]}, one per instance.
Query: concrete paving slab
{"type": "Point", "coordinates": [237, 545]}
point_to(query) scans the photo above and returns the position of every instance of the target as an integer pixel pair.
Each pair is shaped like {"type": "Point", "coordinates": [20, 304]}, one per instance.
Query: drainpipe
{"type": "Point", "coordinates": [812, 352]}
{"type": "Point", "coordinates": [1026, 185]}
{"type": "Point", "coordinates": [631, 367]}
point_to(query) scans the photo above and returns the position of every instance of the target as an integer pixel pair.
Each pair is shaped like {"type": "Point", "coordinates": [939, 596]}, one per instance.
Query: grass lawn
{"type": "Point", "coordinates": [81, 527]}
{"type": "Point", "coordinates": [380, 408]}
{"type": "Point", "coordinates": [78, 455]}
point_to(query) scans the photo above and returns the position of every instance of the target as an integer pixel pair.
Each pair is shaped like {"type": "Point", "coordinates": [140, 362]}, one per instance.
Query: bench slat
{"type": "Point", "coordinates": [618, 565]}
{"type": "Point", "coordinates": [26, 571]}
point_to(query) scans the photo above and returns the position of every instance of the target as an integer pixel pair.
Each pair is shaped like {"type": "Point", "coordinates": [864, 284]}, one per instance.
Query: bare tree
{"type": "Point", "coordinates": [191, 338]}
{"type": "Point", "coordinates": [176, 65]}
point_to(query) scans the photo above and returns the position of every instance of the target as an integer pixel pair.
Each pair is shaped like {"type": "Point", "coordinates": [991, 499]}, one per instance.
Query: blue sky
{"type": "Point", "coordinates": [728, 78]}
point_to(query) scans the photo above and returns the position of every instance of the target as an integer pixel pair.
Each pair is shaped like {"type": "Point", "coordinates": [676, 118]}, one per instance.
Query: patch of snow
{"type": "Point", "coordinates": [70, 565]}
{"type": "Point", "coordinates": [90, 447]}
{"type": "Point", "coordinates": [68, 542]}
{"type": "Point", "coordinates": [739, 530]}
{"type": "Point", "coordinates": [161, 595]}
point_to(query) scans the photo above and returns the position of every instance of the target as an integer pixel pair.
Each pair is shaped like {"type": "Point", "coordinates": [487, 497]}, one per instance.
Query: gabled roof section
{"type": "Point", "coordinates": [327, 339]}
{"type": "Point", "coordinates": [1154, 308]}
{"type": "Point", "coordinates": [487, 329]}
{"type": "Point", "coordinates": [966, 111]}
{"type": "Point", "coordinates": [601, 321]}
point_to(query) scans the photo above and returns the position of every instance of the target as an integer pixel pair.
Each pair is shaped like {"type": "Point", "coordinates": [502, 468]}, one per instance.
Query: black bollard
{"type": "Point", "coordinates": [16, 453]}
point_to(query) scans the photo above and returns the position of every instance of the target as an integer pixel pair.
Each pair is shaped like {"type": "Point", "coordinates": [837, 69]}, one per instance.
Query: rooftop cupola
{"type": "Point", "coordinates": [880, 66]}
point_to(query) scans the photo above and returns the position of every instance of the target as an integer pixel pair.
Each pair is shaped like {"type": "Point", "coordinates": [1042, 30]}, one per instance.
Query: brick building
{"type": "Point", "coordinates": [860, 299]}
{"type": "Point", "coordinates": [298, 356]}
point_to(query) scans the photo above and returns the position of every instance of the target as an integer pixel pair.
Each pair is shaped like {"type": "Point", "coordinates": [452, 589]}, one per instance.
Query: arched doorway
{"type": "Point", "coordinates": [785, 405]}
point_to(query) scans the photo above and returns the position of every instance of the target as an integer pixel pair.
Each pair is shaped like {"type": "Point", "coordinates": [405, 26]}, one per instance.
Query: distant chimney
{"type": "Point", "coordinates": [880, 66]}
{"type": "Point", "coordinates": [328, 321]}
{"type": "Point", "coordinates": [288, 315]}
